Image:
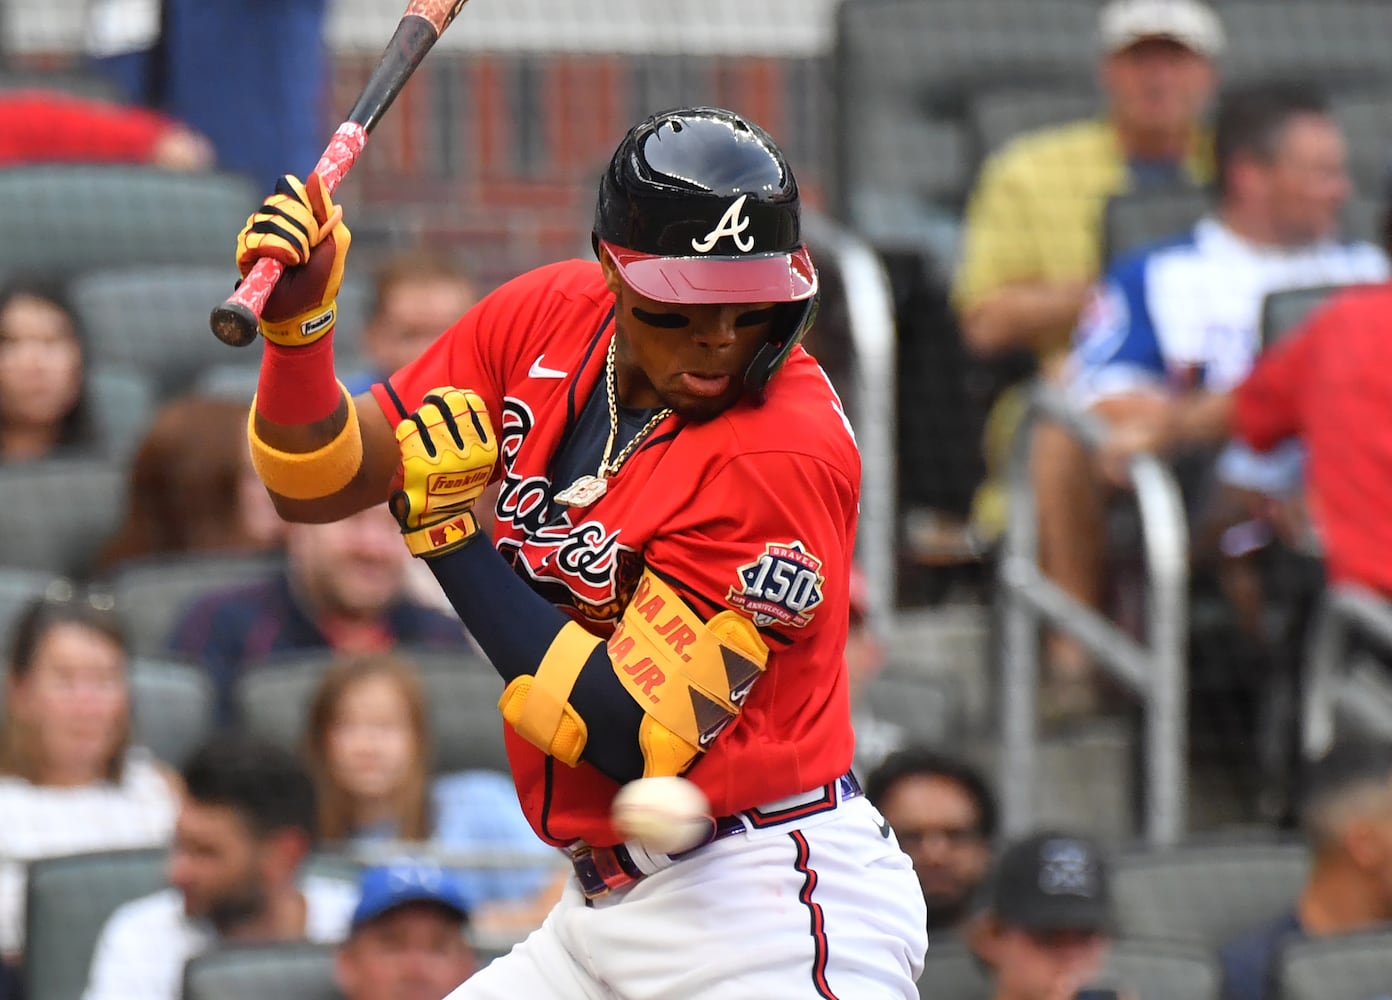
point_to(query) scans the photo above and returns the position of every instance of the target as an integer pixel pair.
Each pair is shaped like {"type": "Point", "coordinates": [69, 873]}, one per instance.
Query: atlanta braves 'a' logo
{"type": "Point", "coordinates": [732, 224]}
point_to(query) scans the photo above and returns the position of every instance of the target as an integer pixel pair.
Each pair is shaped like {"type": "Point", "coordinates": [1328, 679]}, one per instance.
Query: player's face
{"type": "Point", "coordinates": [412, 314]}
{"type": "Point", "coordinates": [214, 863]}
{"type": "Point", "coordinates": [1307, 180]}
{"type": "Point", "coordinates": [415, 952]}
{"type": "Point", "coordinates": [1046, 965]}
{"type": "Point", "coordinates": [40, 364]}
{"type": "Point", "coordinates": [937, 825]}
{"type": "Point", "coordinates": [73, 700]}
{"type": "Point", "coordinates": [1157, 86]}
{"type": "Point", "coordinates": [371, 743]}
{"type": "Point", "coordinates": [691, 358]}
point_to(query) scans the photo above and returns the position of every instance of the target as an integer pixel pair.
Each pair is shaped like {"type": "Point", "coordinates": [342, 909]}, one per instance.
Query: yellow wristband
{"type": "Point", "coordinates": [312, 474]}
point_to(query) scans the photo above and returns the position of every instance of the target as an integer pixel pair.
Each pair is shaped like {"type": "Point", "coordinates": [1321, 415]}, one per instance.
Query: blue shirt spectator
{"type": "Point", "coordinates": [1247, 961]}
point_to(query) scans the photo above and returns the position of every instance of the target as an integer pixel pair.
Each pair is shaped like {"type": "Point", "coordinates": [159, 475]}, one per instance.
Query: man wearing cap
{"type": "Point", "coordinates": [406, 940]}
{"type": "Point", "coordinates": [1045, 933]}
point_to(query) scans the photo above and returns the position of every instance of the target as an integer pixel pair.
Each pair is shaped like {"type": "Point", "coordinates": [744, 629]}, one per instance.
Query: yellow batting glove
{"type": "Point", "coordinates": [300, 226]}
{"type": "Point", "coordinates": [448, 451]}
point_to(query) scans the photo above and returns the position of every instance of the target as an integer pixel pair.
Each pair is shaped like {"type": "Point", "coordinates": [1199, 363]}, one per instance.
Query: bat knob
{"type": "Point", "coordinates": [234, 324]}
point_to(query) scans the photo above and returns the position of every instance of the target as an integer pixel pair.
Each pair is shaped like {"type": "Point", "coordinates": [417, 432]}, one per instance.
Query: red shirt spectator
{"type": "Point", "coordinates": [41, 126]}
{"type": "Point", "coordinates": [1331, 383]}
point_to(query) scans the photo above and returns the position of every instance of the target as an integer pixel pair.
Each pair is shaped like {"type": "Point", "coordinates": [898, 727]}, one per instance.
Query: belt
{"type": "Point", "coordinates": [601, 870]}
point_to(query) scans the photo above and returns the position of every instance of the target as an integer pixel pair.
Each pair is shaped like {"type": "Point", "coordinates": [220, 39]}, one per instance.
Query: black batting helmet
{"type": "Point", "coordinates": [699, 206]}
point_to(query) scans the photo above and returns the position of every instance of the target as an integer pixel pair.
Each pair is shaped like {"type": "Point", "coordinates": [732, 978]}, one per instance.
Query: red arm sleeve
{"type": "Point", "coordinates": [43, 127]}
{"type": "Point", "coordinates": [1269, 405]}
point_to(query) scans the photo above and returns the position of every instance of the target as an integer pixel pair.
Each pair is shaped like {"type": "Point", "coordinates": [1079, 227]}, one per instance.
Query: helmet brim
{"type": "Point", "coordinates": [779, 277]}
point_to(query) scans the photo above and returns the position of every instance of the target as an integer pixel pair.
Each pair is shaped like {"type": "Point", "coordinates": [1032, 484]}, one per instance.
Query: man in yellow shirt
{"type": "Point", "coordinates": [1032, 242]}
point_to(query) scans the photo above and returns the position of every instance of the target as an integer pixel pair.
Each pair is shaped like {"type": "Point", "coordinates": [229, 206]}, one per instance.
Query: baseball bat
{"type": "Point", "coordinates": [235, 321]}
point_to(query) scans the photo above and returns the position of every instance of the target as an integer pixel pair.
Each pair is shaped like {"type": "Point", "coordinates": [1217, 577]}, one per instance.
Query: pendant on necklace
{"type": "Point", "coordinates": [583, 492]}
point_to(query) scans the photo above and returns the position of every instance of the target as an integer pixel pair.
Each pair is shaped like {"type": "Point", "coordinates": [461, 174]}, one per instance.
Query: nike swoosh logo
{"type": "Point", "coordinates": [885, 831]}
{"type": "Point", "coordinates": [538, 370]}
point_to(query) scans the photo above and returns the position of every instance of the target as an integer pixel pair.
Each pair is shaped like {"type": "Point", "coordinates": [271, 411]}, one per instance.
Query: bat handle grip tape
{"type": "Point", "coordinates": [235, 321]}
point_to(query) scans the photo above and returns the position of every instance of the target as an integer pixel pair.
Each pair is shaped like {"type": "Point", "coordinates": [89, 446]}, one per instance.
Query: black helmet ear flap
{"type": "Point", "coordinates": [795, 319]}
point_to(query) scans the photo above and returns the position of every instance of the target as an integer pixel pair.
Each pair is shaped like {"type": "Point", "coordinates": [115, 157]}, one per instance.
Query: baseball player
{"type": "Point", "coordinates": [667, 589]}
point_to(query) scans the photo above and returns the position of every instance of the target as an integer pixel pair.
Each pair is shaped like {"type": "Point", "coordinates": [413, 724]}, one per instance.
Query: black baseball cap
{"type": "Point", "coordinates": [1053, 882]}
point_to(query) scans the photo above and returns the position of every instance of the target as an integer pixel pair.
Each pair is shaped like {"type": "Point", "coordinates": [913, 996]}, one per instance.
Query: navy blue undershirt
{"type": "Point", "coordinates": [515, 626]}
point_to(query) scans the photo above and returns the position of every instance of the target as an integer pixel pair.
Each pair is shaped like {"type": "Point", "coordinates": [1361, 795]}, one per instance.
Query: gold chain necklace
{"type": "Point", "coordinates": [586, 490]}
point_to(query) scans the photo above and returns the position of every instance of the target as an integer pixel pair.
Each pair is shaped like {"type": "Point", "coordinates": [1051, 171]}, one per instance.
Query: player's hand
{"type": "Point", "coordinates": [300, 226]}
{"type": "Point", "coordinates": [448, 451]}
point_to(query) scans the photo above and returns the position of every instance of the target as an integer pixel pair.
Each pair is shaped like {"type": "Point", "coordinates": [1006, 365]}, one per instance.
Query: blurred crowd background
{"type": "Point", "coordinates": [1103, 293]}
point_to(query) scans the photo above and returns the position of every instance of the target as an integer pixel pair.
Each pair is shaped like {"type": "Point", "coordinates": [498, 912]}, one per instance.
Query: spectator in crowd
{"type": "Point", "coordinates": [944, 816]}
{"type": "Point", "coordinates": [369, 749]}
{"type": "Point", "coordinates": [1184, 315]}
{"type": "Point", "coordinates": [69, 779]}
{"type": "Point", "coordinates": [193, 489]}
{"type": "Point", "coordinates": [43, 408]}
{"type": "Point", "coordinates": [41, 126]}
{"type": "Point", "coordinates": [1045, 932]}
{"type": "Point", "coordinates": [407, 937]}
{"type": "Point", "coordinates": [1346, 816]}
{"type": "Point", "coordinates": [252, 77]}
{"type": "Point", "coordinates": [875, 738]}
{"type": "Point", "coordinates": [416, 297]}
{"type": "Point", "coordinates": [342, 590]}
{"type": "Point", "coordinates": [244, 831]}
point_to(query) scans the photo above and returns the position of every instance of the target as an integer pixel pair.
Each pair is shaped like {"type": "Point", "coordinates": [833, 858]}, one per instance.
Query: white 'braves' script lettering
{"type": "Point", "coordinates": [731, 224]}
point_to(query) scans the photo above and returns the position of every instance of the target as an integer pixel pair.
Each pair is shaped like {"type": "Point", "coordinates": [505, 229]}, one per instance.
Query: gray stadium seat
{"type": "Point", "coordinates": [152, 594]}
{"type": "Point", "coordinates": [1204, 895]}
{"type": "Point", "coordinates": [171, 708]}
{"type": "Point", "coordinates": [17, 588]}
{"type": "Point", "coordinates": [461, 690]}
{"type": "Point", "coordinates": [68, 218]}
{"type": "Point", "coordinates": [123, 402]}
{"type": "Point", "coordinates": [1153, 971]}
{"type": "Point", "coordinates": [1347, 967]}
{"type": "Point", "coordinates": [927, 707]}
{"type": "Point", "coordinates": [290, 971]}
{"type": "Point", "coordinates": [949, 970]}
{"type": "Point", "coordinates": [73, 84]}
{"type": "Point", "coordinates": [1366, 121]}
{"type": "Point", "coordinates": [1283, 311]}
{"type": "Point", "coordinates": [1136, 219]}
{"type": "Point", "coordinates": [1340, 44]}
{"type": "Point", "coordinates": [56, 514]}
{"type": "Point", "coordinates": [69, 900]}
{"type": "Point", "coordinates": [1000, 116]}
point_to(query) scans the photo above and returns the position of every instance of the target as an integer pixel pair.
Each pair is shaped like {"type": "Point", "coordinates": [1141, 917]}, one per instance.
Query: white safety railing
{"type": "Point", "coordinates": [1332, 682]}
{"type": "Point", "coordinates": [870, 311]}
{"type": "Point", "coordinates": [1154, 670]}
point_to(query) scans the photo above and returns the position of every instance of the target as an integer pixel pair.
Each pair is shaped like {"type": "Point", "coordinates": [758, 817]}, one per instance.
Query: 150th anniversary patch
{"type": "Point", "coordinates": [781, 587]}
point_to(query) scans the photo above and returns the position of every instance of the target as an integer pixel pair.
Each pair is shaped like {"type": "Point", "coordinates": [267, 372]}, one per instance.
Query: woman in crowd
{"type": "Point", "coordinates": [368, 747]}
{"type": "Point", "coordinates": [43, 409]}
{"type": "Point", "coordinates": [70, 782]}
{"type": "Point", "coordinates": [192, 487]}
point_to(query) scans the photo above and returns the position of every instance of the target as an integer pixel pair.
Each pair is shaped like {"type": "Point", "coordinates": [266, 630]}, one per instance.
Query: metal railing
{"type": "Point", "coordinates": [1332, 683]}
{"type": "Point", "coordinates": [870, 310]}
{"type": "Point", "coordinates": [1154, 670]}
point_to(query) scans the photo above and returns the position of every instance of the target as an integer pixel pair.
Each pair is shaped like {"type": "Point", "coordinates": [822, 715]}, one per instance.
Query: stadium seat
{"type": "Point", "coordinates": [1366, 121]}
{"type": "Point", "coordinates": [154, 319]}
{"type": "Point", "coordinates": [56, 514]}
{"type": "Point", "coordinates": [285, 971]}
{"type": "Point", "coordinates": [1339, 44]}
{"type": "Point", "coordinates": [151, 594]}
{"type": "Point", "coordinates": [999, 116]}
{"type": "Point", "coordinates": [17, 588]}
{"type": "Point", "coordinates": [1205, 894]}
{"type": "Point", "coordinates": [1136, 219]}
{"type": "Point", "coordinates": [1155, 971]}
{"type": "Point", "coordinates": [1285, 310]}
{"type": "Point", "coordinates": [123, 403]}
{"type": "Point", "coordinates": [927, 707]}
{"type": "Point", "coordinates": [461, 691]}
{"type": "Point", "coordinates": [73, 84]}
{"type": "Point", "coordinates": [171, 708]}
{"type": "Point", "coordinates": [1347, 967]}
{"type": "Point", "coordinates": [69, 900]}
{"type": "Point", "coordinates": [68, 218]}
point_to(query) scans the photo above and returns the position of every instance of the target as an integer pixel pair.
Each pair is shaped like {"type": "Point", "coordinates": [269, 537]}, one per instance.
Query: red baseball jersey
{"type": "Point", "coordinates": [753, 511]}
